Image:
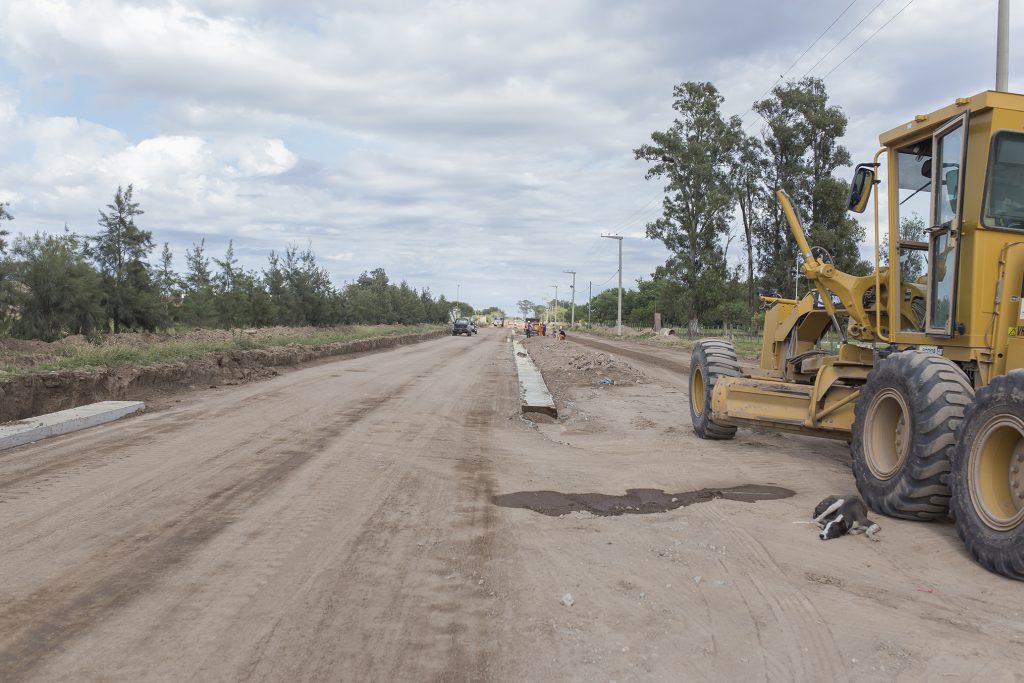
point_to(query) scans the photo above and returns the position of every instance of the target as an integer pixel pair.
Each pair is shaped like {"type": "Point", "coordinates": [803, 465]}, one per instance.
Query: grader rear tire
{"type": "Point", "coordinates": [711, 359]}
{"type": "Point", "coordinates": [903, 433]}
{"type": "Point", "coordinates": [988, 477]}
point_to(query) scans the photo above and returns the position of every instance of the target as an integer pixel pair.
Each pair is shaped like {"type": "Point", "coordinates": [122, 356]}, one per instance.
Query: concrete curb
{"type": "Point", "coordinates": [65, 421]}
{"type": "Point", "coordinates": [533, 392]}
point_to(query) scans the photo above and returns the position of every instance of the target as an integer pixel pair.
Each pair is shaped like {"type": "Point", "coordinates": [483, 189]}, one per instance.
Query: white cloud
{"type": "Point", "coordinates": [410, 135]}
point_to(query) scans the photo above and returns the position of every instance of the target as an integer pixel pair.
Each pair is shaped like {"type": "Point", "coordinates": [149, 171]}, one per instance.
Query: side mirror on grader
{"type": "Point", "coordinates": [891, 361]}
{"type": "Point", "coordinates": [860, 188]}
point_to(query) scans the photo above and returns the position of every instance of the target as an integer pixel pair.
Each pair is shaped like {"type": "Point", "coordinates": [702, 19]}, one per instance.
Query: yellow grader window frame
{"type": "Point", "coordinates": [945, 227]}
{"type": "Point", "coordinates": [908, 257]}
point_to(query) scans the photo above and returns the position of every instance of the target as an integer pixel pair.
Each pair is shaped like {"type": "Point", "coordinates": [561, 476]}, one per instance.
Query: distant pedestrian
{"type": "Point", "coordinates": [543, 329]}
{"type": "Point", "coordinates": [529, 329]}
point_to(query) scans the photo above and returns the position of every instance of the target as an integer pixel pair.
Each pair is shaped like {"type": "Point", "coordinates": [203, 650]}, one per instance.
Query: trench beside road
{"type": "Point", "coordinates": [364, 519]}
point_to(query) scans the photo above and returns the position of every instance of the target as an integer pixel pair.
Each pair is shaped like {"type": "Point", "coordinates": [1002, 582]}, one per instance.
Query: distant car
{"type": "Point", "coordinates": [463, 326]}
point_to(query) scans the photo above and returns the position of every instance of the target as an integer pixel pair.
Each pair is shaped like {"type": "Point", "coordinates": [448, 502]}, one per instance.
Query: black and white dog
{"type": "Point", "coordinates": [839, 515]}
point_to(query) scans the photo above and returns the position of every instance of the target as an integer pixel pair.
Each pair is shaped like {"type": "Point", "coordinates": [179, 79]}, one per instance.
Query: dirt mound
{"type": "Point", "coordinates": [566, 365]}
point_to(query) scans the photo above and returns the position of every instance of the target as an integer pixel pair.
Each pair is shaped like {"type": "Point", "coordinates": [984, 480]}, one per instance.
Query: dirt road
{"type": "Point", "coordinates": [391, 517]}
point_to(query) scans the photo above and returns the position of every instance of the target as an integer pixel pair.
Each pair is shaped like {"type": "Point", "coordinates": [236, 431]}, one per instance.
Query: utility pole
{"type": "Point", "coordinates": [619, 238]}
{"type": "Point", "coordinates": [1003, 47]}
{"type": "Point", "coordinates": [458, 289]}
{"type": "Point", "coordinates": [555, 307]}
{"type": "Point", "coordinates": [572, 307]}
{"type": "Point", "coordinates": [589, 302]}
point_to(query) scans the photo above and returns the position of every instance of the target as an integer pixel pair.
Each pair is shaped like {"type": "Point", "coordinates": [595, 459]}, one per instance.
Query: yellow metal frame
{"type": "Point", "coordinates": [878, 269]}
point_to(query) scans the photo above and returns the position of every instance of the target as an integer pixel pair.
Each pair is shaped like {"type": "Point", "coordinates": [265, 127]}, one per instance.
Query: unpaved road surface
{"type": "Point", "coordinates": [391, 517]}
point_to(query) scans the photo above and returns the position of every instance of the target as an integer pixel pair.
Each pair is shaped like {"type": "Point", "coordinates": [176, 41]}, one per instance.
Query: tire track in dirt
{"type": "Point", "coordinates": [69, 468]}
{"type": "Point", "coordinates": [388, 588]}
{"type": "Point", "coordinates": [261, 557]}
{"type": "Point", "coordinates": [134, 432]}
{"type": "Point", "coordinates": [43, 621]}
{"type": "Point", "coordinates": [70, 605]}
{"type": "Point", "coordinates": [810, 647]}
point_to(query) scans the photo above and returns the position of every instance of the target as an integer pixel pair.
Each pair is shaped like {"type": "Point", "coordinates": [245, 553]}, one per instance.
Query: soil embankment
{"type": "Point", "coordinates": [30, 395]}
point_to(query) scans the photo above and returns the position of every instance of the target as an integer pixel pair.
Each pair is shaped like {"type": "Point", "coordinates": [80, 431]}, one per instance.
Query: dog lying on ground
{"type": "Point", "coordinates": [839, 515]}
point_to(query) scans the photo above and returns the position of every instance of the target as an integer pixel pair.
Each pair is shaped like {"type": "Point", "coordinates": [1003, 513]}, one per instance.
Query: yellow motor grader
{"type": "Point", "coordinates": [918, 365]}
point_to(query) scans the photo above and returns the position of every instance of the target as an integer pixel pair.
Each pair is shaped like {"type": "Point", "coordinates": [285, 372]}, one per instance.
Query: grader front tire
{"type": "Point", "coordinates": [988, 477]}
{"type": "Point", "coordinates": [903, 432]}
{"type": "Point", "coordinates": [711, 359]}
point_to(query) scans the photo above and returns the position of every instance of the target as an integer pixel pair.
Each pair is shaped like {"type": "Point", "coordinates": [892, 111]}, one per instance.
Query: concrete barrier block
{"type": "Point", "coordinates": [533, 392]}
{"type": "Point", "coordinates": [65, 421]}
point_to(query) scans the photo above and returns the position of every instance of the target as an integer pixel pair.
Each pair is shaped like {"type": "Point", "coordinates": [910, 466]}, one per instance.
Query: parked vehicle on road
{"type": "Point", "coordinates": [463, 326]}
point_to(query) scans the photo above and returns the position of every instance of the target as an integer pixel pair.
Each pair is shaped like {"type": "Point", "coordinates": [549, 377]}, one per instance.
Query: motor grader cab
{"type": "Point", "coordinates": [940, 318]}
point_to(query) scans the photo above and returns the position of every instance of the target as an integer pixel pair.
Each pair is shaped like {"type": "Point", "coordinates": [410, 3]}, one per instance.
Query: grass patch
{"type": "Point", "coordinates": [170, 351]}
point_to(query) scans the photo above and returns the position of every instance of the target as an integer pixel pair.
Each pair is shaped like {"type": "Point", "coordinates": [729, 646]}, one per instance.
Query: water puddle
{"type": "Point", "coordinates": [634, 502]}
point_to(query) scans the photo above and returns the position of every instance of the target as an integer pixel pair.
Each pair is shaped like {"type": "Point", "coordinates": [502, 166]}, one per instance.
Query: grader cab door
{"type": "Point", "coordinates": [949, 148]}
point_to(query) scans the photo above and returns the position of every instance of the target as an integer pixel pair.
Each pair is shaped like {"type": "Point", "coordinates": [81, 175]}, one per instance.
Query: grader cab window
{"type": "Point", "coordinates": [1004, 193]}
{"type": "Point", "coordinates": [944, 232]}
{"type": "Point", "coordinates": [914, 168]}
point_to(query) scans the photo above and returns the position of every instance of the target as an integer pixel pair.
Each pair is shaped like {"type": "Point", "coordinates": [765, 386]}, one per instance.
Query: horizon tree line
{"type": "Point", "coordinates": [54, 285]}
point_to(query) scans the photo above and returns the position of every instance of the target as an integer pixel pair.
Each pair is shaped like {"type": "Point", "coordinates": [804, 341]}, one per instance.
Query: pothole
{"type": "Point", "coordinates": [634, 502]}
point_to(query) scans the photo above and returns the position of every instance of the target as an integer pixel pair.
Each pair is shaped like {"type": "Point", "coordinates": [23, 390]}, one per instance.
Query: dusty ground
{"type": "Point", "coordinates": [391, 517]}
{"type": "Point", "coordinates": [738, 591]}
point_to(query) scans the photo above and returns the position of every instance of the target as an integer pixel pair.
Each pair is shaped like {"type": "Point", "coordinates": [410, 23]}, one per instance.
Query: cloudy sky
{"type": "Point", "coordinates": [475, 146]}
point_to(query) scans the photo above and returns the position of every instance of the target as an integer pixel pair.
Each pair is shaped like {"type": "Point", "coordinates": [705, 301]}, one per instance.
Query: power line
{"type": "Point", "coordinates": [636, 213]}
{"type": "Point", "coordinates": [644, 220]}
{"type": "Point", "coordinates": [797, 60]}
{"type": "Point", "coordinates": [840, 42]}
{"type": "Point", "coordinates": [867, 39]}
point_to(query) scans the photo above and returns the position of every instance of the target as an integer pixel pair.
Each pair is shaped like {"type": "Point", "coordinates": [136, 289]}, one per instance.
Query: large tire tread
{"type": "Point", "coordinates": [936, 392]}
{"type": "Point", "coordinates": [1001, 552]}
{"type": "Point", "coordinates": [715, 358]}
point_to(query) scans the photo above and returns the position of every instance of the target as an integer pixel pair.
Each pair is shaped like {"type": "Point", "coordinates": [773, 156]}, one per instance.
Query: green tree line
{"type": "Point", "coordinates": [716, 177]}
{"type": "Point", "coordinates": [53, 285]}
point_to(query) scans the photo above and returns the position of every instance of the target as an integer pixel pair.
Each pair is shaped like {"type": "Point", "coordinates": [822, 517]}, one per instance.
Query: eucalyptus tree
{"type": "Point", "coordinates": [752, 198]}
{"type": "Point", "coordinates": [524, 306]}
{"type": "Point", "coordinates": [694, 156]}
{"type": "Point", "coordinates": [800, 137]}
